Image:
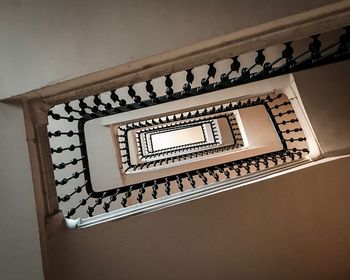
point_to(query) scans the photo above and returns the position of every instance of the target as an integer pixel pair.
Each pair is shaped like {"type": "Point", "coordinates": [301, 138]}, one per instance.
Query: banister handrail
{"type": "Point", "coordinates": [288, 28]}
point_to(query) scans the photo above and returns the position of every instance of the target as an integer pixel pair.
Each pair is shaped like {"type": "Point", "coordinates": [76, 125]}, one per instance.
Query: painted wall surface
{"type": "Point", "coordinates": [326, 97]}
{"type": "Point", "coordinates": [43, 42]}
{"type": "Point", "coordinates": [19, 236]}
{"type": "Point", "coordinates": [295, 226]}
{"type": "Point", "coordinates": [48, 41]}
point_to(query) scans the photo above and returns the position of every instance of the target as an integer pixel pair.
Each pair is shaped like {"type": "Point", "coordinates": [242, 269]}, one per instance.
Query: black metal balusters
{"type": "Point", "coordinates": [187, 86]}
{"type": "Point", "coordinates": [152, 94]}
{"type": "Point", "coordinates": [71, 157]}
{"type": "Point", "coordinates": [132, 93]}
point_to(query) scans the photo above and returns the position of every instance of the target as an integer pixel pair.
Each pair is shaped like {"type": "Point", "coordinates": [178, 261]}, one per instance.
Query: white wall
{"type": "Point", "coordinates": [19, 237]}
{"type": "Point", "coordinates": [45, 41]}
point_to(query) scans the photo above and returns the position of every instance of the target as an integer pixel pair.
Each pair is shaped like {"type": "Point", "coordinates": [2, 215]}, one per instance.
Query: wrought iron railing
{"type": "Point", "coordinates": [187, 120]}
{"type": "Point", "coordinates": [67, 121]}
